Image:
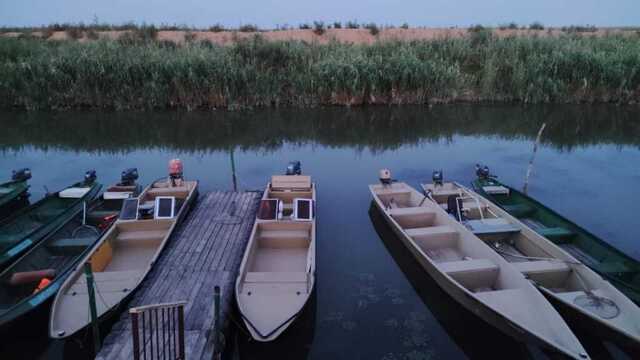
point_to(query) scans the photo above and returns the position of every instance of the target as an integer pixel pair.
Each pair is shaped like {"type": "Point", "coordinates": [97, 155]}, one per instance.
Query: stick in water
{"type": "Point", "coordinates": [533, 156]}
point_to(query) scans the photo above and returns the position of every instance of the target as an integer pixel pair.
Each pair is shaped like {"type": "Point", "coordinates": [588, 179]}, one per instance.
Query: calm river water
{"type": "Point", "coordinates": [372, 299]}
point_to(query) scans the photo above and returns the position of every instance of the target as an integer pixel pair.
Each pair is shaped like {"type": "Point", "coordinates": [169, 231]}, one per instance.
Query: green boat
{"type": "Point", "coordinates": [16, 189]}
{"type": "Point", "coordinates": [31, 282]}
{"type": "Point", "coordinates": [621, 270]}
{"type": "Point", "coordinates": [27, 227]}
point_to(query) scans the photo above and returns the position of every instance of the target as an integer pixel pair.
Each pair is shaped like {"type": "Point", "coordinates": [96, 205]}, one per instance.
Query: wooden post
{"type": "Point", "coordinates": [233, 170]}
{"type": "Point", "coordinates": [92, 306]}
{"type": "Point", "coordinates": [136, 339]}
{"type": "Point", "coordinates": [533, 156]}
{"type": "Point", "coordinates": [216, 318]}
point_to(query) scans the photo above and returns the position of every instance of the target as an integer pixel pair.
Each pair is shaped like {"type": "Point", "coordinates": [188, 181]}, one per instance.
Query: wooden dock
{"type": "Point", "coordinates": [204, 252]}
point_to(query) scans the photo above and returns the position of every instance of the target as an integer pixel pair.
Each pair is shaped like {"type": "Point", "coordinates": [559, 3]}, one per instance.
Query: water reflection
{"type": "Point", "coordinates": [378, 128]}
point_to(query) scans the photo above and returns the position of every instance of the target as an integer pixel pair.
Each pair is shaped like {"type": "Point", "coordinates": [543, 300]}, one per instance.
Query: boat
{"type": "Point", "coordinates": [621, 270]}
{"type": "Point", "coordinates": [30, 283]}
{"type": "Point", "coordinates": [29, 226]}
{"type": "Point", "coordinates": [14, 191]}
{"type": "Point", "coordinates": [124, 255]}
{"type": "Point", "coordinates": [470, 271]}
{"type": "Point", "coordinates": [582, 296]}
{"type": "Point", "coordinates": [277, 273]}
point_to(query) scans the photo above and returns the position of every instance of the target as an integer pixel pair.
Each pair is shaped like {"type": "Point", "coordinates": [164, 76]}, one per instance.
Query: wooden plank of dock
{"type": "Point", "coordinates": [204, 252]}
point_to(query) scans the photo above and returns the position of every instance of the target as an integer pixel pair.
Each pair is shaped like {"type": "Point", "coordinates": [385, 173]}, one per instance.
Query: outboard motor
{"type": "Point", "coordinates": [437, 177]}
{"type": "Point", "coordinates": [21, 175]}
{"type": "Point", "coordinates": [128, 177]}
{"type": "Point", "coordinates": [294, 168]}
{"type": "Point", "coordinates": [385, 177]}
{"type": "Point", "coordinates": [482, 172]}
{"type": "Point", "coordinates": [90, 176]}
{"type": "Point", "coordinates": [175, 172]}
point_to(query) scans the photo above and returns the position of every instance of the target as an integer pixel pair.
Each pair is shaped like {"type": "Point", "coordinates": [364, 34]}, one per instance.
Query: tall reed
{"type": "Point", "coordinates": [39, 74]}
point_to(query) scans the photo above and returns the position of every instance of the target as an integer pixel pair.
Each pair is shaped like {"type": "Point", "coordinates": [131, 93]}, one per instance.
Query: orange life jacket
{"type": "Point", "coordinates": [44, 282]}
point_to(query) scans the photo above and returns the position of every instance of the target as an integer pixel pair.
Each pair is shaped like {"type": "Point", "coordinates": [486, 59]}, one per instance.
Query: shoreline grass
{"type": "Point", "coordinates": [141, 73]}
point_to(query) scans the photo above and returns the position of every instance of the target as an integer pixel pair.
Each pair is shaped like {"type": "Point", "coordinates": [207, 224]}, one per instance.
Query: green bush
{"type": "Point", "coordinates": [249, 28]}
{"type": "Point", "coordinates": [337, 25]}
{"type": "Point", "coordinates": [353, 25]}
{"type": "Point", "coordinates": [373, 28]}
{"type": "Point", "coordinates": [318, 28]}
{"type": "Point", "coordinates": [536, 26]}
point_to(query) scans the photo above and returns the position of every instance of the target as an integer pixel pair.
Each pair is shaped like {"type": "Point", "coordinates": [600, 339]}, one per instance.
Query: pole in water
{"type": "Point", "coordinates": [216, 319]}
{"type": "Point", "coordinates": [92, 306]}
{"type": "Point", "coordinates": [533, 156]}
{"type": "Point", "coordinates": [233, 170]}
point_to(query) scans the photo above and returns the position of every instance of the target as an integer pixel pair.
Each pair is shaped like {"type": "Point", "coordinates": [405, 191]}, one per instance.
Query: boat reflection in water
{"type": "Point", "coordinates": [293, 343]}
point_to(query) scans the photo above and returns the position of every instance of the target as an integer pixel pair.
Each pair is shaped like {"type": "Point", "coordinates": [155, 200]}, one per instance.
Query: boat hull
{"type": "Point", "coordinates": [579, 244]}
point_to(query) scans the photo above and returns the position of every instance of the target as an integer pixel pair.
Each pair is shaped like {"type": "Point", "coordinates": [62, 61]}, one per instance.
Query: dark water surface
{"type": "Point", "coordinates": [372, 299]}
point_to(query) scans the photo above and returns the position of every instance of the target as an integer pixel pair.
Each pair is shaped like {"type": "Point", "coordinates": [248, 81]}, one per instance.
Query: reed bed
{"type": "Point", "coordinates": [138, 72]}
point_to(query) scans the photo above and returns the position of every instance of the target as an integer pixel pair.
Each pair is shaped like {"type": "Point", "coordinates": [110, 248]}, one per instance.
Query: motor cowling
{"type": "Point", "coordinates": [385, 177]}
{"type": "Point", "coordinates": [90, 176]}
{"type": "Point", "coordinates": [175, 169]}
{"type": "Point", "coordinates": [21, 174]}
{"type": "Point", "coordinates": [128, 177]}
{"type": "Point", "coordinates": [294, 168]}
{"type": "Point", "coordinates": [437, 177]}
{"type": "Point", "coordinates": [483, 172]}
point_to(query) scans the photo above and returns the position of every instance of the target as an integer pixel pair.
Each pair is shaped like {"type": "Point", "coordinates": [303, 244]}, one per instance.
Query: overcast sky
{"type": "Point", "coordinates": [269, 13]}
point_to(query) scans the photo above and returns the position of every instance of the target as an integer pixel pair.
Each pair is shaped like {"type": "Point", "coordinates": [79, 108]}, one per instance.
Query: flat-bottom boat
{"type": "Point", "coordinates": [576, 290]}
{"type": "Point", "coordinates": [14, 193]}
{"type": "Point", "coordinates": [277, 273]}
{"type": "Point", "coordinates": [31, 281]}
{"type": "Point", "coordinates": [123, 256]}
{"type": "Point", "coordinates": [470, 271]}
{"type": "Point", "coordinates": [621, 270]}
{"type": "Point", "coordinates": [27, 227]}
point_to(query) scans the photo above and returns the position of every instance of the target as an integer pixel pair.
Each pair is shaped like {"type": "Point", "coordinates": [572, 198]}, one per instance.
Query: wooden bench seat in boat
{"type": "Point", "coordinates": [491, 226]}
{"type": "Point", "coordinates": [177, 191]}
{"type": "Point", "coordinates": [413, 217]}
{"type": "Point", "coordinates": [556, 234]}
{"type": "Point", "coordinates": [284, 234]}
{"type": "Point", "coordinates": [275, 277]}
{"type": "Point", "coordinates": [474, 274]}
{"type": "Point", "coordinates": [496, 190]}
{"type": "Point", "coordinates": [433, 233]}
{"type": "Point", "coordinates": [70, 245]}
{"type": "Point", "coordinates": [290, 182]}
{"type": "Point", "coordinates": [141, 236]}
{"type": "Point", "coordinates": [541, 266]}
{"type": "Point", "coordinates": [519, 210]}
{"type": "Point", "coordinates": [473, 265]}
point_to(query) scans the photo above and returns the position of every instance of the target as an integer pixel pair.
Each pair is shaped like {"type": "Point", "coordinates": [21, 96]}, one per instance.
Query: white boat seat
{"type": "Point", "coordinates": [74, 192]}
{"type": "Point", "coordinates": [464, 266]}
{"type": "Point", "coordinates": [290, 182]}
{"type": "Point", "coordinates": [411, 211]}
{"type": "Point", "coordinates": [431, 232]}
{"type": "Point", "coordinates": [275, 277]}
{"type": "Point", "coordinates": [116, 195]}
{"type": "Point", "coordinates": [496, 190]}
{"type": "Point", "coordinates": [491, 226]}
{"type": "Point", "coordinates": [284, 234]}
{"type": "Point", "coordinates": [141, 236]}
{"type": "Point", "coordinates": [541, 266]}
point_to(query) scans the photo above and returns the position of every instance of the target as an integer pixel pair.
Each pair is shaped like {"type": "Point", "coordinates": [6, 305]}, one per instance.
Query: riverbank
{"type": "Point", "coordinates": [142, 71]}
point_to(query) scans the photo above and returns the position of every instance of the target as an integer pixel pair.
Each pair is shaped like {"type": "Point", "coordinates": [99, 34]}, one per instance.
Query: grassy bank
{"type": "Point", "coordinates": [140, 73]}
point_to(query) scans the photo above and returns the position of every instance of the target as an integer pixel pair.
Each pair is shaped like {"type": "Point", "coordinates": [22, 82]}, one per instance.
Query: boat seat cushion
{"type": "Point", "coordinates": [275, 277]}
{"type": "Point", "coordinates": [519, 210]}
